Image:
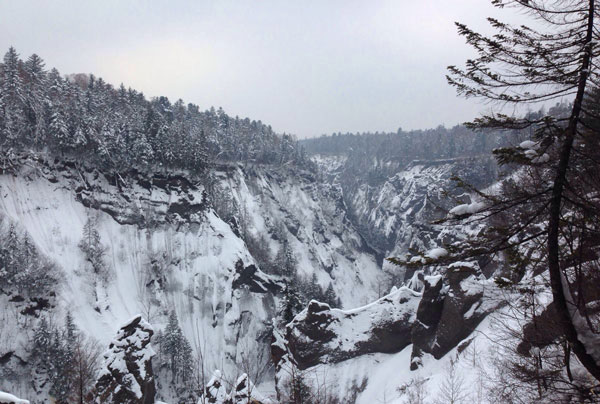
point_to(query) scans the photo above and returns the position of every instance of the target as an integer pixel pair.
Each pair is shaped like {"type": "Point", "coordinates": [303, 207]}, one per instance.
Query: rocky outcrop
{"type": "Point", "coordinates": [243, 392]}
{"type": "Point", "coordinates": [215, 391]}
{"type": "Point", "coordinates": [255, 280]}
{"type": "Point", "coordinates": [450, 311]}
{"type": "Point", "coordinates": [130, 197]}
{"type": "Point", "coordinates": [127, 376]}
{"type": "Point", "coordinates": [320, 334]}
{"type": "Point", "coordinates": [434, 322]}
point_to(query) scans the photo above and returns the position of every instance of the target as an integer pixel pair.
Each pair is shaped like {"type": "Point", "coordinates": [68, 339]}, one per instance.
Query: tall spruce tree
{"type": "Point", "coordinates": [11, 100]}
{"type": "Point", "coordinates": [177, 350]}
{"type": "Point", "coordinates": [91, 245]}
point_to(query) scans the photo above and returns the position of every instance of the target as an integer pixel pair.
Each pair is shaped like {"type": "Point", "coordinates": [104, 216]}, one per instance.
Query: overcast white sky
{"type": "Point", "coordinates": [306, 66]}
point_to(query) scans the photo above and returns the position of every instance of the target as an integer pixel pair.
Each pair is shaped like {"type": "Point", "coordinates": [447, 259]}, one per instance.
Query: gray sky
{"type": "Point", "coordinates": [306, 67]}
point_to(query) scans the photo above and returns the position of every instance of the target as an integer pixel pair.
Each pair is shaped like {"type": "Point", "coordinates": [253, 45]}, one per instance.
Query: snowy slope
{"type": "Point", "coordinates": [386, 378]}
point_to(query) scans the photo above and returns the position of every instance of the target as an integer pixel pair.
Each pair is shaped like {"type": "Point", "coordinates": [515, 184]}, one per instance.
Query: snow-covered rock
{"type": "Point", "coordinates": [158, 257]}
{"type": "Point", "coordinates": [168, 249]}
{"type": "Point", "coordinates": [215, 390]}
{"type": "Point", "coordinates": [243, 391]}
{"type": "Point", "coordinates": [320, 334]}
{"type": "Point", "coordinates": [467, 209]}
{"type": "Point", "coordinates": [126, 376]}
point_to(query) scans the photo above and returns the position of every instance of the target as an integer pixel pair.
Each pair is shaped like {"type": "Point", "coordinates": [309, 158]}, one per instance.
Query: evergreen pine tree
{"type": "Point", "coordinates": [313, 289]}
{"type": "Point", "coordinates": [36, 99]}
{"type": "Point", "coordinates": [520, 65]}
{"type": "Point", "coordinates": [91, 245]}
{"type": "Point", "coordinates": [10, 256]}
{"type": "Point", "coordinates": [177, 350]}
{"type": "Point", "coordinates": [330, 297]}
{"type": "Point", "coordinates": [42, 342]}
{"type": "Point", "coordinates": [291, 304]}
{"type": "Point", "coordinates": [61, 367]}
{"type": "Point", "coordinates": [12, 99]}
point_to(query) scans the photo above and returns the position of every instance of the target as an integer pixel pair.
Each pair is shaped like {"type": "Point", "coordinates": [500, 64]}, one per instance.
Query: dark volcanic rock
{"type": "Point", "coordinates": [127, 376]}
{"type": "Point", "coordinates": [256, 280]}
{"type": "Point", "coordinates": [320, 334]}
{"type": "Point", "coordinates": [449, 312]}
{"type": "Point", "coordinates": [428, 317]}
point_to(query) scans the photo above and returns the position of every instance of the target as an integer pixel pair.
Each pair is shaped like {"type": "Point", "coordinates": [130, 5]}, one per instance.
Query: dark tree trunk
{"type": "Point", "coordinates": [558, 292]}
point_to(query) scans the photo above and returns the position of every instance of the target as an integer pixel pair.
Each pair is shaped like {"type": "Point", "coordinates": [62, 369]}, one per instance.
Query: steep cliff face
{"type": "Point", "coordinates": [396, 213]}
{"type": "Point", "coordinates": [292, 206]}
{"type": "Point", "coordinates": [395, 207]}
{"type": "Point", "coordinates": [158, 257]}
{"type": "Point", "coordinates": [165, 248]}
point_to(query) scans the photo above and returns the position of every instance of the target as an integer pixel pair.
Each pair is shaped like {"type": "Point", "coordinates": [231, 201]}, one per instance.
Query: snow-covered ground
{"type": "Point", "coordinates": [387, 378]}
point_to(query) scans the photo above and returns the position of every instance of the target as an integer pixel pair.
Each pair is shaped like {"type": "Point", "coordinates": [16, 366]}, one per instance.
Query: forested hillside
{"type": "Point", "coordinates": [117, 128]}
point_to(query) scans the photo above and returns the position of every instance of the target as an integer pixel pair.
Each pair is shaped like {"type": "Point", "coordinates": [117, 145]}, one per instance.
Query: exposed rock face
{"type": "Point", "coordinates": [130, 198]}
{"type": "Point", "coordinates": [127, 376]}
{"type": "Point", "coordinates": [449, 311]}
{"type": "Point", "coordinates": [428, 316]}
{"type": "Point", "coordinates": [434, 322]}
{"type": "Point", "coordinates": [256, 281]}
{"type": "Point", "coordinates": [320, 334]}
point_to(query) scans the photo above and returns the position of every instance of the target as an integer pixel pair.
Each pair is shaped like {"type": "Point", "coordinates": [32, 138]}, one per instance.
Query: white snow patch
{"type": "Point", "coordinates": [436, 253]}
{"type": "Point", "coordinates": [9, 398]}
{"type": "Point", "coordinates": [529, 144]}
{"type": "Point", "coordinates": [467, 208]}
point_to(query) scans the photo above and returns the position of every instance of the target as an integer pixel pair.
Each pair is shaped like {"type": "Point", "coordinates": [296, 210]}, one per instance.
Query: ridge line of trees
{"type": "Point", "coordinates": [118, 128]}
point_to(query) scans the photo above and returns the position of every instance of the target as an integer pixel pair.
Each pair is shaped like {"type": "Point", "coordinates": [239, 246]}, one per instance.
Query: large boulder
{"type": "Point", "coordinates": [320, 334]}
{"type": "Point", "coordinates": [127, 376]}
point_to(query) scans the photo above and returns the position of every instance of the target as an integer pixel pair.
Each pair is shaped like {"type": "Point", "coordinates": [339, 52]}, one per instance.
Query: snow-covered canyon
{"type": "Point", "coordinates": [167, 249]}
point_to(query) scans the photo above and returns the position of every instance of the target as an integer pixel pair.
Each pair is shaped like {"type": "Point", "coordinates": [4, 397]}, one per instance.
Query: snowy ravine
{"type": "Point", "coordinates": [166, 248]}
